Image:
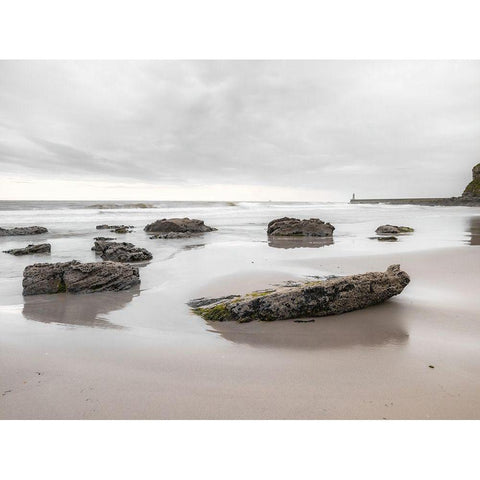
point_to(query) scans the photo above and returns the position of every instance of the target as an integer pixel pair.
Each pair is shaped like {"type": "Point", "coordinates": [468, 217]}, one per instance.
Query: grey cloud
{"type": "Point", "coordinates": [375, 127]}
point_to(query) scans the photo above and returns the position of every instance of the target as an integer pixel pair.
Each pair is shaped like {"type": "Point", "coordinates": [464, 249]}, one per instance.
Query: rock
{"type": "Point", "coordinates": [111, 206]}
{"type": "Point", "coordinates": [113, 227]}
{"type": "Point", "coordinates": [385, 239]}
{"type": "Point", "coordinates": [22, 231]}
{"type": "Point", "coordinates": [311, 299]}
{"type": "Point", "coordinates": [203, 301]}
{"type": "Point", "coordinates": [76, 277]}
{"type": "Point", "coordinates": [174, 235]}
{"type": "Point", "coordinates": [178, 225]}
{"type": "Point", "coordinates": [313, 227]}
{"type": "Point", "coordinates": [104, 239]}
{"type": "Point", "coordinates": [121, 251]}
{"type": "Point", "coordinates": [121, 230]}
{"type": "Point", "coordinates": [29, 249]}
{"type": "Point", "coordinates": [393, 229]}
{"type": "Point", "coordinates": [473, 188]}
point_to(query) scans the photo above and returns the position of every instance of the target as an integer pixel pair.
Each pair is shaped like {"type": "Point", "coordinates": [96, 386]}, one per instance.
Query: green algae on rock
{"type": "Point", "coordinates": [311, 299]}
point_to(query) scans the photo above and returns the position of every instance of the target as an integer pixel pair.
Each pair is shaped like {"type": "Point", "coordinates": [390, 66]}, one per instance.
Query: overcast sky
{"type": "Point", "coordinates": [237, 130]}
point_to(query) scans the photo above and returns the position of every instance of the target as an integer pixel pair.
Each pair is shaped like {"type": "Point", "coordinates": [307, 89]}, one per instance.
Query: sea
{"type": "Point", "coordinates": [182, 269]}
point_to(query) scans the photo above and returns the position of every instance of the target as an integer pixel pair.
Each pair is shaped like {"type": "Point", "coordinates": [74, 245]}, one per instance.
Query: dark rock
{"type": "Point", "coordinates": [473, 188]}
{"type": "Point", "coordinates": [121, 251]}
{"type": "Point", "coordinates": [122, 230]}
{"type": "Point", "coordinates": [104, 239]}
{"type": "Point", "coordinates": [4, 232]}
{"type": "Point", "coordinates": [393, 229]}
{"type": "Point", "coordinates": [311, 299]}
{"type": "Point", "coordinates": [174, 235]}
{"type": "Point", "coordinates": [290, 227]}
{"type": "Point", "coordinates": [178, 225]}
{"type": "Point", "coordinates": [203, 301]}
{"type": "Point", "coordinates": [30, 249]}
{"type": "Point", "coordinates": [385, 239]}
{"type": "Point", "coordinates": [76, 277]}
{"type": "Point", "coordinates": [110, 206]}
{"type": "Point", "coordinates": [115, 228]}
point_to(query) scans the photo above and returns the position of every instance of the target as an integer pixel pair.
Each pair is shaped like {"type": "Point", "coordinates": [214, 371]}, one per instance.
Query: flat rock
{"type": "Point", "coordinates": [311, 299]}
{"type": "Point", "coordinates": [121, 251]}
{"type": "Point", "coordinates": [393, 229]}
{"type": "Point", "coordinates": [174, 235]}
{"type": "Point", "coordinates": [389, 238]}
{"type": "Point", "coordinates": [76, 277]}
{"type": "Point", "coordinates": [35, 230]}
{"type": "Point", "coordinates": [291, 227]}
{"type": "Point", "coordinates": [111, 206]}
{"type": "Point", "coordinates": [178, 225]}
{"type": "Point", "coordinates": [30, 249]}
{"type": "Point", "coordinates": [116, 228]}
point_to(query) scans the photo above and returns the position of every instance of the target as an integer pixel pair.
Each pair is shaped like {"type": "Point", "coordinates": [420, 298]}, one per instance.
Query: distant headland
{"type": "Point", "coordinates": [469, 198]}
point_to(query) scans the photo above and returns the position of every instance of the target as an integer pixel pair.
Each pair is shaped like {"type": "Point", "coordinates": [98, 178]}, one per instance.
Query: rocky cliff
{"type": "Point", "coordinates": [473, 188]}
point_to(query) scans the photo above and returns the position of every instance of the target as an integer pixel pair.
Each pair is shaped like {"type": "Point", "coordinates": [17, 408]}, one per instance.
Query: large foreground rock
{"type": "Point", "coordinates": [186, 226]}
{"type": "Point", "coordinates": [30, 249]}
{"type": "Point", "coordinates": [121, 251]}
{"type": "Point", "coordinates": [290, 227]}
{"type": "Point", "coordinates": [392, 229]}
{"type": "Point", "coordinates": [76, 277]}
{"type": "Point", "coordinates": [312, 299]}
{"type": "Point", "coordinates": [4, 232]}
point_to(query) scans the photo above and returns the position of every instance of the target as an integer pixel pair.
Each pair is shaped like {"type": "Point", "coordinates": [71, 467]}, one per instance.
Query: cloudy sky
{"type": "Point", "coordinates": [237, 130]}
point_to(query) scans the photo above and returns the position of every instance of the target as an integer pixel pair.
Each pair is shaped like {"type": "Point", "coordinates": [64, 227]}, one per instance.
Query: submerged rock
{"type": "Point", "coordinates": [111, 206]}
{"type": "Point", "coordinates": [311, 299]}
{"type": "Point", "coordinates": [174, 235]}
{"type": "Point", "coordinates": [287, 227]}
{"type": "Point", "coordinates": [30, 249]}
{"type": "Point", "coordinates": [76, 277]}
{"type": "Point", "coordinates": [116, 228]}
{"type": "Point", "coordinates": [178, 225]}
{"type": "Point", "coordinates": [35, 230]}
{"type": "Point", "coordinates": [390, 238]}
{"type": "Point", "coordinates": [393, 229]}
{"type": "Point", "coordinates": [121, 251]}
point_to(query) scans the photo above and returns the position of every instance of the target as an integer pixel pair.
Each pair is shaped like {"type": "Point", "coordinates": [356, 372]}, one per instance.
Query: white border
{"type": "Point", "coordinates": [220, 29]}
{"type": "Point", "coordinates": [241, 29]}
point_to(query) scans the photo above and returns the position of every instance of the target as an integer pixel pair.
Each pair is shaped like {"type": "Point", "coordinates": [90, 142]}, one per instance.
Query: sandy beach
{"type": "Point", "coordinates": [141, 354]}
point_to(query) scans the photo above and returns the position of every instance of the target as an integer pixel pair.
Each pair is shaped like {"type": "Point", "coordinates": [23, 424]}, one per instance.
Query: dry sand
{"type": "Point", "coordinates": [369, 364]}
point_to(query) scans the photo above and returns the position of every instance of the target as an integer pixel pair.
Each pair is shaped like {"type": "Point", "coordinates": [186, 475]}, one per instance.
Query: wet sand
{"type": "Point", "coordinates": [369, 364]}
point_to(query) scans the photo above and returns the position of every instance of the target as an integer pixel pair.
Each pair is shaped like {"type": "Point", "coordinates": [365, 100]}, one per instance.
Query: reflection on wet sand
{"type": "Point", "coordinates": [377, 326]}
{"type": "Point", "coordinates": [474, 230]}
{"type": "Point", "coordinates": [192, 247]}
{"type": "Point", "coordinates": [85, 310]}
{"type": "Point", "coordinates": [299, 242]}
